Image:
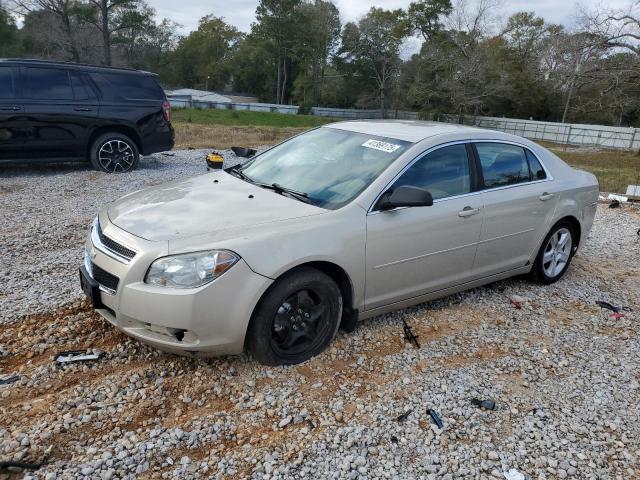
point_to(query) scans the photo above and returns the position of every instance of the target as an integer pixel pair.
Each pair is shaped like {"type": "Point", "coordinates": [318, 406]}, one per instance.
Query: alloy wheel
{"type": "Point", "coordinates": [557, 253]}
{"type": "Point", "coordinates": [116, 156]}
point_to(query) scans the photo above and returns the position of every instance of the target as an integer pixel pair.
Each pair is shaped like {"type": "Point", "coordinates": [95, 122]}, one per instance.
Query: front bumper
{"type": "Point", "coordinates": [211, 319]}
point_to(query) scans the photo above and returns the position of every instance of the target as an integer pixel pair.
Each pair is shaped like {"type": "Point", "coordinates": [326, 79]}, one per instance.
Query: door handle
{"type": "Point", "coordinates": [546, 196]}
{"type": "Point", "coordinates": [82, 109]}
{"type": "Point", "coordinates": [13, 109]}
{"type": "Point", "coordinates": [468, 211]}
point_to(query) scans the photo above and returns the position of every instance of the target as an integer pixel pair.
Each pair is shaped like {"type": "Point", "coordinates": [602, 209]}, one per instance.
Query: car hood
{"type": "Point", "coordinates": [200, 205]}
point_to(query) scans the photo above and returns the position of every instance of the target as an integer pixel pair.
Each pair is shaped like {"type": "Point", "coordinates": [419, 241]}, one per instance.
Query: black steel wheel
{"type": "Point", "coordinates": [114, 153]}
{"type": "Point", "coordinates": [296, 319]}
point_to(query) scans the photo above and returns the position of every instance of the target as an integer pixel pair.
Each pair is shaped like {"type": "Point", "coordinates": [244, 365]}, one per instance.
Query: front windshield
{"type": "Point", "coordinates": [331, 166]}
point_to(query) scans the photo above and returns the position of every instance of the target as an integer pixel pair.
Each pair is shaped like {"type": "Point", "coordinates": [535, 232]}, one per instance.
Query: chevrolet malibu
{"type": "Point", "coordinates": [338, 224]}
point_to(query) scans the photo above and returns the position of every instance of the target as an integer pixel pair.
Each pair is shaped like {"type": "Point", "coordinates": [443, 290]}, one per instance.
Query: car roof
{"type": "Point", "coordinates": [408, 130]}
{"type": "Point", "coordinates": [78, 66]}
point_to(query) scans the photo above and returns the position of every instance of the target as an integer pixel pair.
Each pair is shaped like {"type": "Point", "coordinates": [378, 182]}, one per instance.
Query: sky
{"type": "Point", "coordinates": [241, 13]}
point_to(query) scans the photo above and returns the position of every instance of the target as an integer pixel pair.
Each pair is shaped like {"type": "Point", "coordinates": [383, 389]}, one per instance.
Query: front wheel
{"type": "Point", "coordinates": [296, 319]}
{"type": "Point", "coordinates": [114, 153]}
{"type": "Point", "coordinates": [555, 254]}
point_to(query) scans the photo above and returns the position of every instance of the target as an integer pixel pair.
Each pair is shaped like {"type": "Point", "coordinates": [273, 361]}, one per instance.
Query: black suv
{"type": "Point", "coordinates": [59, 111]}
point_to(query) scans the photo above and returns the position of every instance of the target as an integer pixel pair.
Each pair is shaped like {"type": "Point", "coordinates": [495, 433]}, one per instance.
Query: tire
{"type": "Point", "coordinates": [555, 254]}
{"type": "Point", "coordinates": [114, 153]}
{"type": "Point", "coordinates": [281, 331]}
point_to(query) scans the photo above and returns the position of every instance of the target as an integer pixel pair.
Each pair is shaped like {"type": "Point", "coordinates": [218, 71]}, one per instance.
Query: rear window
{"type": "Point", "coordinates": [47, 84]}
{"type": "Point", "coordinates": [128, 86]}
{"type": "Point", "coordinates": [6, 83]}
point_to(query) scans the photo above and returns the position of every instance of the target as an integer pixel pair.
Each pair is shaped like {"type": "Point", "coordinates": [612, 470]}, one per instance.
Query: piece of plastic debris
{"type": "Point", "coordinates": [513, 474]}
{"type": "Point", "coordinates": [244, 152]}
{"type": "Point", "coordinates": [633, 190]}
{"type": "Point", "coordinates": [517, 301]}
{"type": "Point", "coordinates": [394, 439]}
{"type": "Point", "coordinates": [14, 465]}
{"type": "Point", "coordinates": [404, 416]}
{"type": "Point", "coordinates": [71, 356]}
{"type": "Point", "coordinates": [619, 198]}
{"type": "Point", "coordinates": [409, 335]}
{"type": "Point", "coordinates": [436, 418]}
{"type": "Point", "coordinates": [616, 315]}
{"type": "Point", "coordinates": [9, 380]}
{"type": "Point", "coordinates": [608, 306]}
{"type": "Point", "coordinates": [487, 404]}
{"type": "Point", "coordinates": [614, 204]}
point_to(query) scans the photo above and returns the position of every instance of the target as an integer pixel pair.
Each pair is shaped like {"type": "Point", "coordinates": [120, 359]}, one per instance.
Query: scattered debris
{"type": "Point", "coordinates": [487, 404]}
{"type": "Point", "coordinates": [608, 306]}
{"type": "Point", "coordinates": [436, 418]}
{"type": "Point", "coordinates": [513, 474]}
{"type": "Point", "coordinates": [14, 465]}
{"type": "Point", "coordinates": [614, 204]}
{"type": "Point", "coordinates": [168, 154]}
{"type": "Point", "coordinates": [616, 315]}
{"type": "Point", "coordinates": [633, 190]}
{"type": "Point", "coordinates": [244, 152]}
{"type": "Point", "coordinates": [9, 380]}
{"type": "Point", "coordinates": [619, 198]}
{"type": "Point", "coordinates": [409, 335]}
{"type": "Point", "coordinates": [71, 356]}
{"type": "Point", "coordinates": [394, 439]}
{"type": "Point", "coordinates": [215, 161]}
{"type": "Point", "coordinates": [517, 301]}
{"type": "Point", "coordinates": [404, 416]}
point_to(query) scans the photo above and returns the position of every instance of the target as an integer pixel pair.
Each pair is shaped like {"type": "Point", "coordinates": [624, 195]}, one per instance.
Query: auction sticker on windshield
{"type": "Point", "coordinates": [383, 146]}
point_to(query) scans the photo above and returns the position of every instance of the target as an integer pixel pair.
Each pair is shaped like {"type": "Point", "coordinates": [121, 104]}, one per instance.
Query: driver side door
{"type": "Point", "coordinates": [417, 250]}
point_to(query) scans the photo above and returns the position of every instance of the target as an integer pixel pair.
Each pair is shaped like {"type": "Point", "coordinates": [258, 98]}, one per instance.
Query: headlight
{"type": "Point", "coordinates": [190, 270]}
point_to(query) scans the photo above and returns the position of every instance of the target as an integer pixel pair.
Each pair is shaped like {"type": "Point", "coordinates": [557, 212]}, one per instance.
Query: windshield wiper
{"type": "Point", "coordinates": [236, 171]}
{"type": "Point", "coordinates": [276, 187]}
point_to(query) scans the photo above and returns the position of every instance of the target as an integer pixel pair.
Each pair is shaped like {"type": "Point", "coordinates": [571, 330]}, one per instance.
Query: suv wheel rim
{"type": "Point", "coordinates": [116, 156]}
{"type": "Point", "coordinates": [557, 253]}
{"type": "Point", "coordinates": [300, 323]}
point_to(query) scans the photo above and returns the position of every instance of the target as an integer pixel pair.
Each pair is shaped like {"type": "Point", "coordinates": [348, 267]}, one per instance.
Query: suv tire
{"type": "Point", "coordinates": [296, 319]}
{"type": "Point", "coordinates": [114, 153]}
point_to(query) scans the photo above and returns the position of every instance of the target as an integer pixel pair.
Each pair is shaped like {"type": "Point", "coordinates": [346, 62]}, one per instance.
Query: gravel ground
{"type": "Point", "coordinates": [564, 375]}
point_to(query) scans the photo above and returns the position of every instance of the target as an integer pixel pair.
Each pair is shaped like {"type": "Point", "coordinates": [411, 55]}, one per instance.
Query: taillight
{"type": "Point", "coordinates": [166, 110]}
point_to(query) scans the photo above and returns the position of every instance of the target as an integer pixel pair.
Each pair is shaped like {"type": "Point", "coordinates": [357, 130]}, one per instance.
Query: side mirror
{"type": "Point", "coordinates": [405, 196]}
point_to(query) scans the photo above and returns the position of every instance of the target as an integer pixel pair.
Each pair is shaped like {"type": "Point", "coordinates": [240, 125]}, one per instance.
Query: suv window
{"type": "Point", "coordinates": [537, 172]}
{"type": "Point", "coordinates": [129, 86]}
{"type": "Point", "coordinates": [47, 84]}
{"type": "Point", "coordinates": [443, 172]}
{"type": "Point", "coordinates": [6, 83]}
{"type": "Point", "coordinates": [81, 88]}
{"type": "Point", "coordinates": [503, 164]}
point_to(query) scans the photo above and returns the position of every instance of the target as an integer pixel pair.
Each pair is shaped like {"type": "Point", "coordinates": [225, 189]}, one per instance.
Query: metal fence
{"type": "Point", "coordinates": [598, 136]}
{"type": "Point", "coordinates": [361, 114]}
{"type": "Point", "coordinates": [187, 101]}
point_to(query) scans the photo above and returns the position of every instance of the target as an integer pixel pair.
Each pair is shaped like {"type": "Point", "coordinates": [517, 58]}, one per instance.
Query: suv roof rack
{"type": "Point", "coordinates": [73, 64]}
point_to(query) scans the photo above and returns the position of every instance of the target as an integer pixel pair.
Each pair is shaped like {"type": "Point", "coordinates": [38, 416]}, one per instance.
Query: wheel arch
{"type": "Point", "coordinates": [576, 226]}
{"type": "Point", "coordinates": [122, 129]}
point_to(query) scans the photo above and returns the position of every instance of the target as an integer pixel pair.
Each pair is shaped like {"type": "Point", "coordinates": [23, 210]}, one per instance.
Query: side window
{"type": "Point", "coordinates": [502, 164]}
{"type": "Point", "coordinates": [47, 84]}
{"type": "Point", "coordinates": [537, 172]}
{"type": "Point", "coordinates": [129, 86]}
{"type": "Point", "coordinates": [443, 172]}
{"type": "Point", "coordinates": [81, 89]}
{"type": "Point", "coordinates": [7, 89]}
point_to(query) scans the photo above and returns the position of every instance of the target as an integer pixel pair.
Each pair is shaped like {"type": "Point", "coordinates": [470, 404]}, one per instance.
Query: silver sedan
{"type": "Point", "coordinates": [336, 225]}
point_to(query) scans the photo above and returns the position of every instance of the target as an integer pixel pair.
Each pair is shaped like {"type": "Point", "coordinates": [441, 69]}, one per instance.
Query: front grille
{"type": "Point", "coordinates": [115, 246]}
{"type": "Point", "coordinates": [104, 278]}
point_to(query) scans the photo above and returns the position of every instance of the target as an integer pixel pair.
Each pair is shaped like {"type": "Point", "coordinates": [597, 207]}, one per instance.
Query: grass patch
{"type": "Point", "coordinates": [191, 135]}
{"type": "Point", "coordinates": [239, 118]}
{"type": "Point", "coordinates": [614, 169]}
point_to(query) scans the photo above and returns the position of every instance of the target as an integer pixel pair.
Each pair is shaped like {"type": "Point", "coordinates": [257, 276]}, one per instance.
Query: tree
{"type": "Point", "coordinates": [615, 28]}
{"type": "Point", "coordinates": [66, 11]}
{"type": "Point", "coordinates": [204, 58]}
{"type": "Point", "coordinates": [372, 47]}
{"type": "Point", "coordinates": [8, 34]}
{"type": "Point", "coordinates": [425, 16]}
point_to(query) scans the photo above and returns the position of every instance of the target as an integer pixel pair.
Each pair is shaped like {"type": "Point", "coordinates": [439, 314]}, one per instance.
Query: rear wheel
{"type": "Point", "coordinates": [114, 153]}
{"type": "Point", "coordinates": [296, 319]}
{"type": "Point", "coordinates": [555, 254]}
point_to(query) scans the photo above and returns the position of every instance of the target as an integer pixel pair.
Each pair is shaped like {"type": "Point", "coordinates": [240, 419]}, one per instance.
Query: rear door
{"type": "Point", "coordinates": [519, 201]}
{"type": "Point", "coordinates": [60, 110]}
{"type": "Point", "coordinates": [11, 133]}
{"type": "Point", "coordinates": [413, 251]}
